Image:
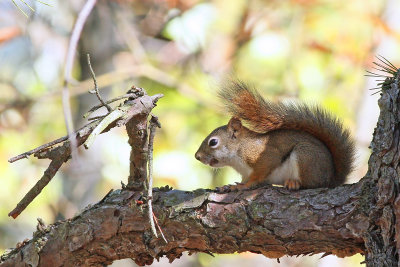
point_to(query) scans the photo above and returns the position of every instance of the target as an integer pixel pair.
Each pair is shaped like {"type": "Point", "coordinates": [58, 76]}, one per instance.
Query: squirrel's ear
{"type": "Point", "coordinates": [234, 126]}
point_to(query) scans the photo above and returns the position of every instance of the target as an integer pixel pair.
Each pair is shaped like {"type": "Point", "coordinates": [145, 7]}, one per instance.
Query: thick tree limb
{"type": "Point", "coordinates": [271, 221]}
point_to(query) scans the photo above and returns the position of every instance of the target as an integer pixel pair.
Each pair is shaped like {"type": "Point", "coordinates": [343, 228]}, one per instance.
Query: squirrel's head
{"type": "Point", "coordinates": [221, 145]}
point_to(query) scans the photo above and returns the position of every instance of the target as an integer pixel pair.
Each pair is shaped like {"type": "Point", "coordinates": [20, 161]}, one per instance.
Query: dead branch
{"type": "Point", "coordinates": [57, 160]}
{"type": "Point", "coordinates": [138, 105]}
{"type": "Point", "coordinates": [38, 149]}
{"type": "Point", "coordinates": [96, 88]}
{"type": "Point", "coordinates": [138, 138]}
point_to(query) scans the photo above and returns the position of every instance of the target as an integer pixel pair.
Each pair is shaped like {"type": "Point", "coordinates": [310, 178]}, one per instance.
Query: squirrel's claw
{"type": "Point", "coordinates": [292, 184]}
{"type": "Point", "coordinates": [230, 187]}
{"type": "Point", "coordinates": [223, 189]}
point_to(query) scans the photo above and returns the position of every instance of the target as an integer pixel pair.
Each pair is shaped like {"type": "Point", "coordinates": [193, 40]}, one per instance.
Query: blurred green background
{"type": "Point", "coordinates": [316, 51]}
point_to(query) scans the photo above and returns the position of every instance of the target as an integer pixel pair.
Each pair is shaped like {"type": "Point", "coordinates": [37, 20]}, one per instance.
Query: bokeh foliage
{"type": "Point", "coordinates": [312, 50]}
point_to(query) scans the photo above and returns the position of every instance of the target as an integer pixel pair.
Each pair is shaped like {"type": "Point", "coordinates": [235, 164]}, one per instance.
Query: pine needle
{"type": "Point", "coordinates": [15, 4]}
{"type": "Point", "coordinates": [386, 67]}
{"type": "Point", "coordinates": [43, 3]}
{"type": "Point", "coordinates": [31, 8]}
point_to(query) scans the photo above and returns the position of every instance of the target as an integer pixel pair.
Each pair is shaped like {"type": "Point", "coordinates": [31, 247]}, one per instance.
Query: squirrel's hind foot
{"type": "Point", "coordinates": [292, 184]}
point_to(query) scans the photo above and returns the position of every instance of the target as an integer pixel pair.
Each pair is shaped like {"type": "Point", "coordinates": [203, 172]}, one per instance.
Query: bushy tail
{"type": "Point", "coordinates": [263, 116]}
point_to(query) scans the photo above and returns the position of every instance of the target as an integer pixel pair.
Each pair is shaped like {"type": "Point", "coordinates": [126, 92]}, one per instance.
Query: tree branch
{"type": "Point", "coordinates": [384, 173]}
{"type": "Point", "coordinates": [271, 221]}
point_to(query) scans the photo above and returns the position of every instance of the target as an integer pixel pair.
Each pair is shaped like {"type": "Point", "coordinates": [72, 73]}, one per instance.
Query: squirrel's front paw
{"type": "Point", "coordinates": [292, 184]}
{"type": "Point", "coordinates": [223, 189]}
{"type": "Point", "coordinates": [230, 187]}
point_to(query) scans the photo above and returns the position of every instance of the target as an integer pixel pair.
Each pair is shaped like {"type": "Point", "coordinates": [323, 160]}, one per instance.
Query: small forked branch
{"type": "Point", "coordinates": [96, 88]}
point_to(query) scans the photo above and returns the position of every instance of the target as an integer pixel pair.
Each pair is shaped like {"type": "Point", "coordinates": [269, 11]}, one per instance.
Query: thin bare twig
{"type": "Point", "coordinates": [80, 134]}
{"type": "Point", "coordinates": [159, 228]}
{"type": "Point", "coordinates": [154, 123]}
{"type": "Point", "coordinates": [96, 88]}
{"type": "Point", "coordinates": [108, 102]}
{"type": "Point", "coordinates": [73, 42]}
{"type": "Point", "coordinates": [96, 117]}
{"type": "Point", "coordinates": [149, 203]}
{"type": "Point", "coordinates": [38, 149]}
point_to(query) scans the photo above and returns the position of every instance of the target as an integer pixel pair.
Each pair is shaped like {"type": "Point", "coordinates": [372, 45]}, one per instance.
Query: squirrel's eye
{"type": "Point", "coordinates": [213, 142]}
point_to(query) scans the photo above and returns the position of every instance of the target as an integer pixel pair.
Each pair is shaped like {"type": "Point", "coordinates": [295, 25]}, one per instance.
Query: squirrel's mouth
{"type": "Point", "coordinates": [213, 162]}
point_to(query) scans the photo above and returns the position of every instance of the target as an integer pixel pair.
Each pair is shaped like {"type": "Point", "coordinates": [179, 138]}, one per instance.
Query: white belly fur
{"type": "Point", "coordinates": [241, 167]}
{"type": "Point", "coordinates": [289, 169]}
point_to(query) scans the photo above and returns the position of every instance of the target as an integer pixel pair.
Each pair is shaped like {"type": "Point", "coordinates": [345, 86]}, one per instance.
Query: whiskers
{"type": "Point", "coordinates": [216, 171]}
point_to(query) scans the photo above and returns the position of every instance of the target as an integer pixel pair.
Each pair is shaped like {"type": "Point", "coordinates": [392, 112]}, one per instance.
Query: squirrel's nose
{"type": "Point", "coordinates": [197, 156]}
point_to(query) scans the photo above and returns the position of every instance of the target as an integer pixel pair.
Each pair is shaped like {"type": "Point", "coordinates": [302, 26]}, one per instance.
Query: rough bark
{"type": "Point", "coordinates": [271, 221]}
{"type": "Point", "coordinates": [137, 132]}
{"type": "Point", "coordinates": [382, 238]}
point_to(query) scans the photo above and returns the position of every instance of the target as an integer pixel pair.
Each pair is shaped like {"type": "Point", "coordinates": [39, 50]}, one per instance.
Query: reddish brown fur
{"type": "Point", "coordinates": [265, 117]}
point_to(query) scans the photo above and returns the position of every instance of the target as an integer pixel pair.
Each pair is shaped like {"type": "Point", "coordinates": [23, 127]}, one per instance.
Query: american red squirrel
{"type": "Point", "coordinates": [284, 144]}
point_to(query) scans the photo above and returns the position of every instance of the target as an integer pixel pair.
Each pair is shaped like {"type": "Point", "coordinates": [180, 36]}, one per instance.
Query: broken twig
{"type": "Point", "coordinates": [55, 164]}
{"type": "Point", "coordinates": [96, 88]}
{"type": "Point", "coordinates": [38, 149]}
{"type": "Point", "coordinates": [108, 102]}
